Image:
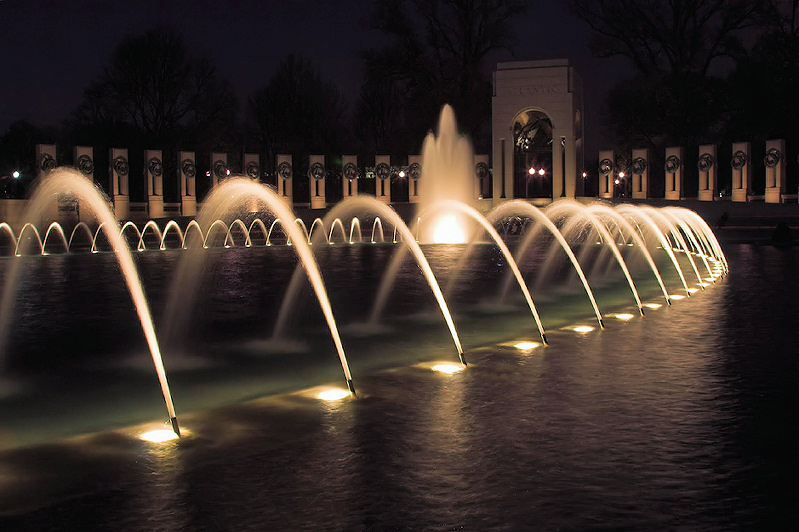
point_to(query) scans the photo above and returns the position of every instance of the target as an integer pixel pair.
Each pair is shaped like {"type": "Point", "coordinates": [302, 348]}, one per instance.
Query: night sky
{"type": "Point", "coordinates": [52, 49]}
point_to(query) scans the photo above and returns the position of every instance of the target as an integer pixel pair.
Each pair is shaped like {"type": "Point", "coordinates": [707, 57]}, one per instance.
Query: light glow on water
{"type": "Point", "coordinates": [624, 316]}
{"type": "Point", "coordinates": [526, 346]}
{"type": "Point", "coordinates": [653, 305]}
{"type": "Point", "coordinates": [448, 230]}
{"type": "Point", "coordinates": [693, 290]}
{"type": "Point", "coordinates": [158, 436]}
{"type": "Point", "coordinates": [449, 369]}
{"type": "Point", "coordinates": [583, 329]}
{"type": "Point", "coordinates": [333, 394]}
{"type": "Point", "coordinates": [677, 296]}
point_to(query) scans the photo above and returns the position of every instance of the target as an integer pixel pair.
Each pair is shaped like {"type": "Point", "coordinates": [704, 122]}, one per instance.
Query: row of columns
{"type": "Point", "coordinates": [119, 170]}
{"type": "Point", "coordinates": [707, 166]}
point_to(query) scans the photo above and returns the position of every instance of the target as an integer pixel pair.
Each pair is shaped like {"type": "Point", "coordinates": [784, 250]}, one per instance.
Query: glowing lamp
{"type": "Point", "coordinates": [541, 172]}
{"type": "Point", "coordinates": [15, 174]}
{"type": "Point", "coordinates": [402, 173]}
{"type": "Point", "coordinates": [621, 174]}
{"type": "Point", "coordinates": [531, 171]}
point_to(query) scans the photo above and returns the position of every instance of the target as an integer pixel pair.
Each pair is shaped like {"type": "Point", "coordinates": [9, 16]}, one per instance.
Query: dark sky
{"type": "Point", "coordinates": [51, 49]}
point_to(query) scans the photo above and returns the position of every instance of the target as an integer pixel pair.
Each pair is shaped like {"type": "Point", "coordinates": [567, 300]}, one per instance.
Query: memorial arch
{"type": "Point", "coordinates": [537, 131]}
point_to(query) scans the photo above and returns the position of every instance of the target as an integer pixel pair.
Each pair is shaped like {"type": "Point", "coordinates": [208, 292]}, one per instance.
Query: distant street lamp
{"type": "Point", "coordinates": [15, 174]}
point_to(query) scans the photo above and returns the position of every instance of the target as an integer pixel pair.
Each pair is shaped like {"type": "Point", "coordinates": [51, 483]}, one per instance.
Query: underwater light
{"type": "Point", "coordinates": [158, 436]}
{"type": "Point", "coordinates": [449, 369]}
{"type": "Point", "coordinates": [583, 329]}
{"type": "Point", "coordinates": [653, 305]}
{"type": "Point", "coordinates": [693, 290]}
{"type": "Point", "coordinates": [624, 316]}
{"type": "Point", "coordinates": [525, 346]}
{"type": "Point", "coordinates": [449, 230]}
{"type": "Point", "coordinates": [677, 296]}
{"type": "Point", "coordinates": [332, 394]}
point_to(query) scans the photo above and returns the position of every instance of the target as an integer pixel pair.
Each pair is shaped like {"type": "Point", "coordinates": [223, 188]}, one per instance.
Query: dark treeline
{"type": "Point", "coordinates": [704, 71]}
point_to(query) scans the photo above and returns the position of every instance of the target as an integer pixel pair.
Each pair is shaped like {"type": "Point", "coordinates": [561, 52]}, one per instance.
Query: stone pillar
{"type": "Point", "coordinates": [219, 168]}
{"type": "Point", "coordinates": [482, 173]}
{"type": "Point", "coordinates": [154, 174]}
{"type": "Point", "coordinates": [383, 178]}
{"type": "Point", "coordinates": [740, 171]}
{"type": "Point", "coordinates": [673, 169]}
{"type": "Point", "coordinates": [349, 176]}
{"type": "Point", "coordinates": [775, 170]}
{"type": "Point", "coordinates": [640, 173]}
{"type": "Point", "coordinates": [707, 172]}
{"type": "Point", "coordinates": [317, 175]}
{"type": "Point", "coordinates": [187, 171]}
{"type": "Point", "coordinates": [119, 170]}
{"type": "Point", "coordinates": [45, 158]}
{"type": "Point", "coordinates": [607, 167]}
{"type": "Point", "coordinates": [285, 175]}
{"type": "Point", "coordinates": [414, 174]}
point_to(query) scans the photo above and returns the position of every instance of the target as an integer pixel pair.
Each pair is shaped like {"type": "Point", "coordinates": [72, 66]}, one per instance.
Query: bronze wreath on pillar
{"type": "Point", "coordinates": [188, 168]}
{"type": "Point", "coordinates": [638, 166]}
{"type": "Point", "coordinates": [317, 171]}
{"type": "Point", "coordinates": [481, 170]}
{"type": "Point", "coordinates": [605, 167]}
{"type": "Point", "coordinates": [383, 171]}
{"type": "Point", "coordinates": [706, 162]}
{"type": "Point", "coordinates": [738, 160]}
{"type": "Point", "coordinates": [415, 171]}
{"type": "Point", "coordinates": [350, 171]}
{"type": "Point", "coordinates": [120, 165]}
{"type": "Point", "coordinates": [253, 170]}
{"type": "Point", "coordinates": [46, 162]}
{"type": "Point", "coordinates": [673, 164]}
{"type": "Point", "coordinates": [155, 167]}
{"type": "Point", "coordinates": [85, 165]}
{"type": "Point", "coordinates": [284, 170]}
{"type": "Point", "coordinates": [772, 158]}
{"type": "Point", "coordinates": [220, 168]}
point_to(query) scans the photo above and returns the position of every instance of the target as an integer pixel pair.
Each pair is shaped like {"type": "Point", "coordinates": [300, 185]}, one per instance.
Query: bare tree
{"type": "Point", "coordinates": [437, 54]}
{"type": "Point", "coordinates": [152, 83]}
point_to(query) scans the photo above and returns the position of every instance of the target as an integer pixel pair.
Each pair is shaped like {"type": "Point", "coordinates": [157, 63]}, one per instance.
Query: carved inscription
{"type": "Point", "coordinates": [534, 90]}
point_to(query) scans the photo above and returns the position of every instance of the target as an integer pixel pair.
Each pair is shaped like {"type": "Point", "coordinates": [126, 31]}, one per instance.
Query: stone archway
{"type": "Point", "coordinates": [532, 155]}
{"type": "Point", "coordinates": [540, 103]}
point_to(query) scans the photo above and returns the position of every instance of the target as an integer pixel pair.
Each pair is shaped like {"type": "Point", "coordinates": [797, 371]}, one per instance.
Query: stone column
{"type": "Point", "coordinates": [640, 173]}
{"type": "Point", "coordinates": [317, 175]}
{"type": "Point", "coordinates": [285, 175]}
{"type": "Point", "coordinates": [673, 169]}
{"type": "Point", "coordinates": [740, 171]}
{"type": "Point", "coordinates": [775, 170]}
{"type": "Point", "coordinates": [154, 174]}
{"type": "Point", "coordinates": [349, 176]}
{"type": "Point", "coordinates": [219, 169]}
{"type": "Point", "coordinates": [45, 158]}
{"type": "Point", "coordinates": [707, 172]}
{"type": "Point", "coordinates": [414, 174]}
{"type": "Point", "coordinates": [187, 171]}
{"type": "Point", "coordinates": [119, 170]}
{"type": "Point", "coordinates": [383, 178]}
{"type": "Point", "coordinates": [607, 167]}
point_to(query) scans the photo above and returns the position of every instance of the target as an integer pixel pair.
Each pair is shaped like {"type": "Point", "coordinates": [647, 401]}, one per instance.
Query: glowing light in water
{"type": "Point", "coordinates": [526, 346]}
{"type": "Point", "coordinates": [677, 296]}
{"type": "Point", "coordinates": [158, 436]}
{"type": "Point", "coordinates": [624, 316]}
{"type": "Point", "coordinates": [693, 290]}
{"type": "Point", "coordinates": [448, 230]}
{"type": "Point", "coordinates": [653, 305]}
{"type": "Point", "coordinates": [583, 329]}
{"type": "Point", "coordinates": [449, 369]}
{"type": "Point", "coordinates": [333, 394]}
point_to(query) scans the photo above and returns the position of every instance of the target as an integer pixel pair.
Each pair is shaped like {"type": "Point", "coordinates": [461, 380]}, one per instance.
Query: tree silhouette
{"type": "Point", "coordinates": [436, 55]}
{"type": "Point", "coordinates": [152, 84]}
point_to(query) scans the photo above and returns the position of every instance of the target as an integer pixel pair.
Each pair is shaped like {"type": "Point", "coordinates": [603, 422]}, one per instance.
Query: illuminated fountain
{"type": "Point", "coordinates": [638, 246]}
